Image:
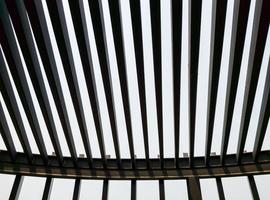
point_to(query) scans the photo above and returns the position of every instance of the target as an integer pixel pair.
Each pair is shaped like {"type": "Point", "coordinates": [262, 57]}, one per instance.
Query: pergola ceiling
{"type": "Point", "coordinates": [44, 41]}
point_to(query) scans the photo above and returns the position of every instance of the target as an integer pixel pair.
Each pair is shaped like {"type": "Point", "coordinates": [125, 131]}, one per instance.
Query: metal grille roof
{"type": "Point", "coordinates": [36, 36]}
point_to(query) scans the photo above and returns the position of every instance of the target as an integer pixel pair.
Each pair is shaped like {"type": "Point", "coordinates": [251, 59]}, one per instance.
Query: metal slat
{"type": "Point", "coordinates": [24, 33]}
{"type": "Point", "coordinates": [221, 7]}
{"type": "Point", "coordinates": [117, 29]}
{"type": "Point", "coordinates": [135, 11]}
{"type": "Point", "coordinates": [47, 189]}
{"type": "Point", "coordinates": [229, 165]}
{"type": "Point", "coordinates": [133, 190]}
{"type": "Point", "coordinates": [79, 22]}
{"type": "Point", "coordinates": [252, 75]}
{"type": "Point", "coordinates": [96, 11]}
{"type": "Point", "coordinates": [262, 127]}
{"type": "Point", "coordinates": [264, 113]}
{"type": "Point", "coordinates": [77, 188]}
{"type": "Point", "coordinates": [40, 41]}
{"type": "Point", "coordinates": [194, 188]}
{"type": "Point", "coordinates": [258, 41]}
{"type": "Point", "coordinates": [5, 133]}
{"type": "Point", "coordinates": [59, 23]}
{"type": "Point", "coordinates": [16, 188]}
{"type": "Point", "coordinates": [220, 189]}
{"type": "Point", "coordinates": [161, 190]}
{"type": "Point", "coordinates": [156, 45]}
{"type": "Point", "coordinates": [241, 10]}
{"type": "Point", "coordinates": [195, 26]}
{"type": "Point", "coordinates": [253, 188]}
{"type": "Point", "coordinates": [21, 81]}
{"type": "Point", "coordinates": [12, 105]}
{"type": "Point", "coordinates": [105, 190]}
{"type": "Point", "coordinates": [176, 6]}
{"type": "Point", "coordinates": [39, 25]}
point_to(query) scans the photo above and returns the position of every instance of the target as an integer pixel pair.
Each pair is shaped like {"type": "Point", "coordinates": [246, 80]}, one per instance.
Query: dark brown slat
{"type": "Point", "coordinates": [195, 27]}
{"type": "Point", "coordinates": [10, 100]}
{"type": "Point", "coordinates": [6, 134]}
{"type": "Point", "coordinates": [135, 11]}
{"type": "Point", "coordinates": [176, 42]}
{"type": "Point", "coordinates": [19, 76]}
{"type": "Point", "coordinates": [253, 188]}
{"type": "Point", "coordinates": [58, 20]}
{"type": "Point", "coordinates": [156, 45]}
{"type": "Point", "coordinates": [105, 190]}
{"type": "Point", "coordinates": [117, 29]}
{"type": "Point", "coordinates": [161, 190]}
{"type": "Point", "coordinates": [23, 30]}
{"type": "Point", "coordinates": [264, 116]}
{"type": "Point", "coordinates": [79, 22]}
{"type": "Point", "coordinates": [17, 121]}
{"type": "Point", "coordinates": [16, 188]}
{"type": "Point", "coordinates": [100, 37]}
{"type": "Point", "coordinates": [260, 28]}
{"type": "Point", "coordinates": [220, 189]}
{"type": "Point", "coordinates": [194, 188]}
{"type": "Point", "coordinates": [133, 190]}
{"type": "Point", "coordinates": [221, 7]}
{"type": "Point", "coordinates": [47, 189]}
{"type": "Point", "coordinates": [40, 29]}
{"type": "Point", "coordinates": [77, 188]}
{"type": "Point", "coordinates": [237, 57]}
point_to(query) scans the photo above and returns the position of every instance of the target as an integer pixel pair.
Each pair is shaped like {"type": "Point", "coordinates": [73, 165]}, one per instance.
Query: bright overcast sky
{"type": "Point", "coordinates": [172, 187]}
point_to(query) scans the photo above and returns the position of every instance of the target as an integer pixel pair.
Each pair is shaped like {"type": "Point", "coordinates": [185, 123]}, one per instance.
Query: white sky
{"type": "Point", "coordinates": [203, 77]}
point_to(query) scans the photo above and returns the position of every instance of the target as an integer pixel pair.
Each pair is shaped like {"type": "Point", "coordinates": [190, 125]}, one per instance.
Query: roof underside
{"type": "Point", "coordinates": [44, 41]}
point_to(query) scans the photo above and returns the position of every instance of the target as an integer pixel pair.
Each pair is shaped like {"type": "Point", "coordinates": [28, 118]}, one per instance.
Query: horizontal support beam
{"type": "Point", "coordinates": [82, 171]}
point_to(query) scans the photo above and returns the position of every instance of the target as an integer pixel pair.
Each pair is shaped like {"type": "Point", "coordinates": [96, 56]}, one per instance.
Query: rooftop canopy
{"type": "Point", "coordinates": [134, 90]}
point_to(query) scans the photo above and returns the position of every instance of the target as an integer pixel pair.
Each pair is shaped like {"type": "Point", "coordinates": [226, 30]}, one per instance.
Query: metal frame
{"type": "Point", "coordinates": [16, 188]}
{"type": "Point", "coordinates": [64, 44]}
{"type": "Point", "coordinates": [77, 188]}
{"type": "Point", "coordinates": [133, 190]}
{"type": "Point", "coordinates": [176, 7]}
{"type": "Point", "coordinates": [54, 77]}
{"type": "Point", "coordinates": [23, 31]}
{"type": "Point", "coordinates": [47, 188]}
{"type": "Point", "coordinates": [96, 11]}
{"type": "Point", "coordinates": [26, 43]}
{"type": "Point", "coordinates": [16, 64]}
{"type": "Point", "coordinates": [221, 7]}
{"type": "Point", "coordinates": [194, 188]}
{"type": "Point", "coordinates": [156, 37]}
{"type": "Point", "coordinates": [195, 26]}
{"type": "Point", "coordinates": [253, 188]}
{"type": "Point", "coordinates": [138, 46]}
{"type": "Point", "coordinates": [240, 17]}
{"type": "Point", "coordinates": [77, 13]}
{"type": "Point", "coordinates": [220, 189]}
{"type": "Point", "coordinates": [127, 172]}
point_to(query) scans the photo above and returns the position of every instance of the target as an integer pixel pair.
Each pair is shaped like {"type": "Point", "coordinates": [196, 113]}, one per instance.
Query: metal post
{"type": "Point", "coordinates": [220, 189]}
{"type": "Point", "coordinates": [16, 188]}
{"type": "Point", "coordinates": [47, 189]}
{"type": "Point", "coordinates": [77, 188]}
{"type": "Point", "coordinates": [105, 190]}
{"type": "Point", "coordinates": [194, 188]}
{"type": "Point", "coordinates": [161, 190]}
{"type": "Point", "coordinates": [133, 190]}
{"type": "Point", "coordinates": [253, 188]}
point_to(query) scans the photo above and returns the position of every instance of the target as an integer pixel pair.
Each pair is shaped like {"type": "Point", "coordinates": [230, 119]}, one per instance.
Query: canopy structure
{"type": "Point", "coordinates": [36, 37]}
